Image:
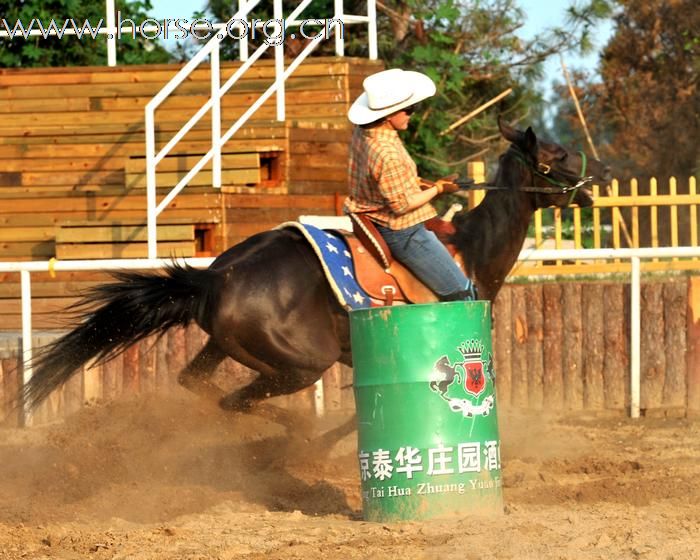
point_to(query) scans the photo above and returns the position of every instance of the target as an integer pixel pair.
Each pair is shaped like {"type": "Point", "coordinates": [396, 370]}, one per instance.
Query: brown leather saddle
{"type": "Point", "coordinates": [386, 280]}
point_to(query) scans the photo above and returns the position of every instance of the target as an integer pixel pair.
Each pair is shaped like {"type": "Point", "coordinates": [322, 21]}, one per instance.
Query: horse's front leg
{"type": "Point", "coordinates": [326, 441]}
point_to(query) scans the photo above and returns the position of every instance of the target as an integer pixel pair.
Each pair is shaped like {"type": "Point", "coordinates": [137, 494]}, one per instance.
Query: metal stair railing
{"type": "Point", "coordinates": [213, 104]}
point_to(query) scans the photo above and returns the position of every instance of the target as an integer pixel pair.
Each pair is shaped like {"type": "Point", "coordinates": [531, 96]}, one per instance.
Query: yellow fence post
{"type": "Point", "coordinates": [476, 171]}
{"type": "Point", "coordinates": [693, 215]}
{"type": "Point", "coordinates": [557, 230]}
{"type": "Point", "coordinates": [654, 222]}
{"type": "Point", "coordinates": [673, 190]}
{"type": "Point", "coordinates": [577, 230]}
{"type": "Point", "coordinates": [632, 236]}
{"type": "Point", "coordinates": [634, 193]}
{"type": "Point", "coordinates": [616, 217]}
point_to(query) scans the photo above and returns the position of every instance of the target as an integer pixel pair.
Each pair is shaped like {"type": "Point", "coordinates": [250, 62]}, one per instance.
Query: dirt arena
{"type": "Point", "coordinates": [174, 479]}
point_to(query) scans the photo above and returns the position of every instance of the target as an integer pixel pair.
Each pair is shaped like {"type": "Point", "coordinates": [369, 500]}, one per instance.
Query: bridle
{"type": "Point", "coordinates": [555, 177]}
{"type": "Point", "coordinates": [559, 181]}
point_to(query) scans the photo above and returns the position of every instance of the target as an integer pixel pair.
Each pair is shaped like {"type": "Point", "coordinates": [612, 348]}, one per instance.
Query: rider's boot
{"type": "Point", "coordinates": [468, 294]}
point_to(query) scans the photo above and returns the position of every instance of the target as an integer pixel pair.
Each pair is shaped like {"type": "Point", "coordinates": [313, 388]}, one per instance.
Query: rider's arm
{"type": "Point", "coordinates": [401, 188]}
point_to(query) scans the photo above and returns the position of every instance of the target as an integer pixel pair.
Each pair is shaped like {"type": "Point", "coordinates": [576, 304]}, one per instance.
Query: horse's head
{"type": "Point", "coordinates": [559, 176]}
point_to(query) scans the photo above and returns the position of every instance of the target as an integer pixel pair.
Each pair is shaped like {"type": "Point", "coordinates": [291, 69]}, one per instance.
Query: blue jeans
{"type": "Point", "coordinates": [423, 254]}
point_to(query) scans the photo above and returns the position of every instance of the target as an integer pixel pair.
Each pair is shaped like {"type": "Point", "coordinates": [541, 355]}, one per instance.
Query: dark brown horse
{"type": "Point", "coordinates": [266, 304]}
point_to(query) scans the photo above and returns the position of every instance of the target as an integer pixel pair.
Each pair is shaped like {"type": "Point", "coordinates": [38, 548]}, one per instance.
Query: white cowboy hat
{"type": "Point", "coordinates": [389, 91]}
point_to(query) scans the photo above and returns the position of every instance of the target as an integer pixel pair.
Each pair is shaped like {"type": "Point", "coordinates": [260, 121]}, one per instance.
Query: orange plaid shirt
{"type": "Point", "coordinates": [382, 176]}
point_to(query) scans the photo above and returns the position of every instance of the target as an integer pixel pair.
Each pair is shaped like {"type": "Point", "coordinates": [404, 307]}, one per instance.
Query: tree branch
{"type": "Point", "coordinates": [478, 141]}
{"type": "Point", "coordinates": [454, 163]}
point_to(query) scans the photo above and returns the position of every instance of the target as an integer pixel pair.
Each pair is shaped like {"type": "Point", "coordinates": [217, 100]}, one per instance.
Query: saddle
{"type": "Point", "coordinates": [386, 280]}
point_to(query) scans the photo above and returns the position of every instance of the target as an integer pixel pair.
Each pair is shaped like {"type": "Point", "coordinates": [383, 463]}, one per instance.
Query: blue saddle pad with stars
{"type": "Point", "coordinates": [336, 261]}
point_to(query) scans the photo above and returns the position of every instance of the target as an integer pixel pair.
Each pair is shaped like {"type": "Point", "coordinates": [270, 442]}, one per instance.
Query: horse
{"type": "Point", "coordinates": [265, 302]}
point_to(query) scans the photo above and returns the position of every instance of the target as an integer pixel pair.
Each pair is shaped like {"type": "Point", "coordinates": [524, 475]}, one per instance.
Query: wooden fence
{"type": "Point", "coordinates": [565, 346]}
{"type": "Point", "coordinates": [633, 214]}
{"type": "Point", "coordinates": [558, 347]}
{"type": "Point", "coordinates": [147, 367]}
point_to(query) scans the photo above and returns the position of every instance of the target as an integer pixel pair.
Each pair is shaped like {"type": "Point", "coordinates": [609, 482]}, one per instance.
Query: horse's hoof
{"type": "Point", "coordinates": [233, 404]}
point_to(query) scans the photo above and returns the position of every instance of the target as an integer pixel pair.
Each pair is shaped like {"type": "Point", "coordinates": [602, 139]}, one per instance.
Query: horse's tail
{"type": "Point", "coordinates": [116, 315]}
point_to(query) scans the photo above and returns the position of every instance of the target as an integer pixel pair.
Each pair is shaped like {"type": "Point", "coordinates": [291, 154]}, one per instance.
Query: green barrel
{"type": "Point", "coordinates": [428, 443]}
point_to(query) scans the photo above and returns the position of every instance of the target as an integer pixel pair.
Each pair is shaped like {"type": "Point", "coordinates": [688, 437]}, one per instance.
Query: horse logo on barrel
{"type": "Point", "coordinates": [471, 374]}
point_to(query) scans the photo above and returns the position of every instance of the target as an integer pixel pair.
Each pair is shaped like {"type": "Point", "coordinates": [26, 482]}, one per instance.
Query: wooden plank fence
{"type": "Point", "coordinates": [558, 347]}
{"type": "Point", "coordinates": [634, 213]}
{"type": "Point", "coordinates": [72, 148]}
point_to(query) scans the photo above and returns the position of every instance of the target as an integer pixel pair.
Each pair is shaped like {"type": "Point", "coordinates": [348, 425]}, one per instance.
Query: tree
{"type": "Point", "coordinates": [471, 50]}
{"type": "Point", "coordinates": [37, 51]}
{"type": "Point", "coordinates": [474, 53]}
{"type": "Point", "coordinates": [644, 109]}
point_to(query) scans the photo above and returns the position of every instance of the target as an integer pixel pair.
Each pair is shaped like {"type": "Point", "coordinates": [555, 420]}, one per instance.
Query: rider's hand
{"type": "Point", "coordinates": [424, 184]}
{"type": "Point", "coordinates": [447, 184]}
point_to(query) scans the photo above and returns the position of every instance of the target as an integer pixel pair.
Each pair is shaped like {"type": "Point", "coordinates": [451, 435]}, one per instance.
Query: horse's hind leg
{"type": "Point", "coordinates": [197, 374]}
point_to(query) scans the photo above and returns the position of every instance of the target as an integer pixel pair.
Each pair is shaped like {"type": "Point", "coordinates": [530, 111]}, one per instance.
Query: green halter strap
{"type": "Point", "coordinates": [584, 163]}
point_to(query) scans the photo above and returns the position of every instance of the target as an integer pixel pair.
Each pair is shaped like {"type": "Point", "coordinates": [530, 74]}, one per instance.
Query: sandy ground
{"type": "Point", "coordinates": [173, 479]}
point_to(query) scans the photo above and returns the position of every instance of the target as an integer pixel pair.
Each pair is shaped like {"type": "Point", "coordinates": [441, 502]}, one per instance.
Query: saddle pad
{"type": "Point", "coordinates": [336, 261]}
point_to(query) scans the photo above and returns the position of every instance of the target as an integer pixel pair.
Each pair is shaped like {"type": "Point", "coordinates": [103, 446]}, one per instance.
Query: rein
{"type": "Point", "coordinates": [543, 171]}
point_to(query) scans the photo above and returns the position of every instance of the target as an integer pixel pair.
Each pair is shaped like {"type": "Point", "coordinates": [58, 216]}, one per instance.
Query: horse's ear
{"type": "Point", "coordinates": [530, 141]}
{"type": "Point", "coordinates": [508, 132]}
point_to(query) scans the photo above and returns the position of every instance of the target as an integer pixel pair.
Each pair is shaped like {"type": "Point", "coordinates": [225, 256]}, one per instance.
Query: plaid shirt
{"type": "Point", "coordinates": [382, 176]}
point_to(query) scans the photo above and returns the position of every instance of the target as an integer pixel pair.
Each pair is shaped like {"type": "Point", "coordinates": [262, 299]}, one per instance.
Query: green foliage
{"type": "Point", "coordinates": [587, 17]}
{"type": "Point", "coordinates": [70, 50]}
{"type": "Point", "coordinates": [473, 53]}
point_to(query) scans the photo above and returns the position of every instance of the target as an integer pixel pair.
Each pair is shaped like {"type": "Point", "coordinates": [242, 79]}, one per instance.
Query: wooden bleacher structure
{"type": "Point", "coordinates": [72, 165]}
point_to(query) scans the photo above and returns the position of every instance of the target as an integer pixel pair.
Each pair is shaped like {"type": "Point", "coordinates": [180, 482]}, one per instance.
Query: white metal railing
{"type": "Point", "coordinates": [634, 255]}
{"type": "Point", "coordinates": [213, 104]}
